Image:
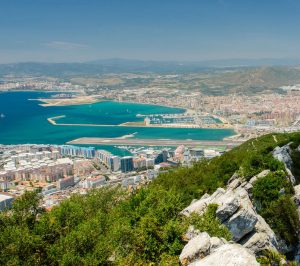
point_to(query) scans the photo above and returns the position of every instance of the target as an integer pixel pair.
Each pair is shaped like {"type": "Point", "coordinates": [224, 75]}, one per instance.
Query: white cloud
{"type": "Point", "coordinates": [65, 45]}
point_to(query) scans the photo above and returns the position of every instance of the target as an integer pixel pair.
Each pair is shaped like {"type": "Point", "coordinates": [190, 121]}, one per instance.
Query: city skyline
{"type": "Point", "coordinates": [77, 31]}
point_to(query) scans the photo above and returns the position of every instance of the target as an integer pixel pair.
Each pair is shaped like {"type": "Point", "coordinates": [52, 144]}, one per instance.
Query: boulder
{"type": "Point", "coordinates": [200, 205]}
{"type": "Point", "coordinates": [228, 254]}
{"type": "Point", "coordinates": [283, 154]}
{"type": "Point", "coordinates": [197, 247]}
{"type": "Point", "coordinates": [262, 238]}
{"type": "Point", "coordinates": [241, 223]}
{"type": "Point", "coordinates": [228, 205]}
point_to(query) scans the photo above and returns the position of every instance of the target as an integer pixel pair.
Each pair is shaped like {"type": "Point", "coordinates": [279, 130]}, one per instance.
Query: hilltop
{"type": "Point", "coordinates": [205, 77]}
{"type": "Point", "coordinates": [111, 227]}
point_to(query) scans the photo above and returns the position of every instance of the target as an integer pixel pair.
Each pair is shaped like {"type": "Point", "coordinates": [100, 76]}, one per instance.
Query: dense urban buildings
{"type": "Point", "coordinates": [57, 171]}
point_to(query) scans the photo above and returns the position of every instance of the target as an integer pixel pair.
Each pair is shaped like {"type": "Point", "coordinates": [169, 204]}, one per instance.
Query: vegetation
{"type": "Point", "coordinates": [272, 195]}
{"type": "Point", "coordinates": [110, 227]}
{"type": "Point", "coordinates": [209, 223]}
{"type": "Point", "coordinates": [271, 257]}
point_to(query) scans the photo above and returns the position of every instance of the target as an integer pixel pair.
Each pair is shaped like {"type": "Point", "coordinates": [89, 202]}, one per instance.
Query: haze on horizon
{"type": "Point", "coordinates": [80, 30]}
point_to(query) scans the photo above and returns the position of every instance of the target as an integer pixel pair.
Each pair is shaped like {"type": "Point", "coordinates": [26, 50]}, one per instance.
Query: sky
{"type": "Point", "coordinates": [166, 30]}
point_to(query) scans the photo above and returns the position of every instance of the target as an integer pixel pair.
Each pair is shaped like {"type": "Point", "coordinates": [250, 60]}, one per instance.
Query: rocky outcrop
{"type": "Point", "coordinates": [197, 247]}
{"type": "Point", "coordinates": [236, 211]}
{"type": "Point", "coordinates": [261, 238]}
{"type": "Point", "coordinates": [241, 223]}
{"type": "Point", "coordinates": [202, 249]}
{"type": "Point", "coordinates": [250, 232]}
{"type": "Point", "coordinates": [228, 254]}
{"type": "Point", "coordinates": [283, 154]}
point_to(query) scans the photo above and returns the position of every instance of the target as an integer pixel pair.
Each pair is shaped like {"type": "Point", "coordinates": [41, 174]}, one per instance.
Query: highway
{"type": "Point", "coordinates": [153, 142]}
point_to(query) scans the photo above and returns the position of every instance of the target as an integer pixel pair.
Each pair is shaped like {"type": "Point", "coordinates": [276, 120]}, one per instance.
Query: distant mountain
{"type": "Point", "coordinates": [136, 66]}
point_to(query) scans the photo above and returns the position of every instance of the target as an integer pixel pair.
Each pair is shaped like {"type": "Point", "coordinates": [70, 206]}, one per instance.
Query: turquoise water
{"type": "Point", "coordinates": [26, 122]}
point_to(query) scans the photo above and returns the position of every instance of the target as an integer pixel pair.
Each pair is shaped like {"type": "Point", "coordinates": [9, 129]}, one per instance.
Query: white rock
{"type": "Point", "coordinates": [216, 242]}
{"type": "Point", "coordinates": [219, 192]}
{"type": "Point", "coordinates": [260, 175]}
{"type": "Point", "coordinates": [233, 177]}
{"type": "Point", "coordinates": [228, 255]}
{"type": "Point", "coordinates": [241, 223]}
{"type": "Point", "coordinates": [262, 238]}
{"type": "Point", "coordinates": [228, 205]}
{"type": "Point", "coordinates": [200, 205]}
{"type": "Point", "coordinates": [283, 154]}
{"type": "Point", "coordinates": [196, 248]}
{"type": "Point", "coordinates": [234, 184]}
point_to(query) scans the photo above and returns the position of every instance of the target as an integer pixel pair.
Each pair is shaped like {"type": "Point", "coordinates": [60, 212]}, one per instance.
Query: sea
{"type": "Point", "coordinates": [24, 121]}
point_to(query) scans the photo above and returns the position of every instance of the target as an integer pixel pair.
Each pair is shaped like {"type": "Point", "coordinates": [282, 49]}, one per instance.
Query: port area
{"type": "Point", "coordinates": [154, 142]}
{"type": "Point", "coordinates": [52, 120]}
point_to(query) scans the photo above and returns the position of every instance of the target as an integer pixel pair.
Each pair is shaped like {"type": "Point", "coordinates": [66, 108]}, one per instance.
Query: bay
{"type": "Point", "coordinates": [25, 121]}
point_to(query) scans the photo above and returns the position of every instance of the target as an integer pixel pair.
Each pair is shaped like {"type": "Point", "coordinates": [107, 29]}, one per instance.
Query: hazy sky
{"type": "Point", "coordinates": [79, 30]}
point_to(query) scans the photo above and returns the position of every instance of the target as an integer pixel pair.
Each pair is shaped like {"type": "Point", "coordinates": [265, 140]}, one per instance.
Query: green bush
{"type": "Point", "coordinates": [208, 222]}
{"type": "Point", "coordinates": [272, 197]}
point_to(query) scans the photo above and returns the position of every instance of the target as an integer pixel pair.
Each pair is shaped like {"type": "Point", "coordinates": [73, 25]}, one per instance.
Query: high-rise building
{"type": "Point", "coordinates": [159, 158]}
{"type": "Point", "coordinates": [165, 155]}
{"type": "Point", "coordinates": [115, 163]}
{"type": "Point", "coordinates": [127, 164]}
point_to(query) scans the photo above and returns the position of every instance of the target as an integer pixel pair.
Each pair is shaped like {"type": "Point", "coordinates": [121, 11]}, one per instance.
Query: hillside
{"type": "Point", "coordinates": [249, 80]}
{"type": "Point", "coordinates": [111, 227]}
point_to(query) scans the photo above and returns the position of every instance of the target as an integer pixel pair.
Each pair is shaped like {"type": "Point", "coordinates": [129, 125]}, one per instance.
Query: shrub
{"type": "Point", "coordinates": [208, 222]}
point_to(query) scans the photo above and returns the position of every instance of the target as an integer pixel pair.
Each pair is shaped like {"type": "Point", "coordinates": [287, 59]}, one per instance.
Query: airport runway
{"type": "Point", "coordinates": [153, 142]}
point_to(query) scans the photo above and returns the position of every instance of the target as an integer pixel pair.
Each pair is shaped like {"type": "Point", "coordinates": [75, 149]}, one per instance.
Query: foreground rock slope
{"type": "Point", "coordinates": [251, 234]}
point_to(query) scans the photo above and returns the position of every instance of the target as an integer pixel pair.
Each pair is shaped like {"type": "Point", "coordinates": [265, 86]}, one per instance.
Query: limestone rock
{"type": "Point", "coordinates": [216, 242]}
{"type": "Point", "coordinates": [260, 175]}
{"type": "Point", "coordinates": [283, 154]}
{"type": "Point", "coordinates": [234, 176]}
{"type": "Point", "coordinates": [234, 184]}
{"type": "Point", "coordinates": [200, 205]}
{"type": "Point", "coordinates": [241, 223]}
{"type": "Point", "coordinates": [248, 187]}
{"type": "Point", "coordinates": [228, 254]}
{"type": "Point", "coordinates": [228, 205]}
{"type": "Point", "coordinates": [197, 247]}
{"type": "Point", "coordinates": [262, 238]}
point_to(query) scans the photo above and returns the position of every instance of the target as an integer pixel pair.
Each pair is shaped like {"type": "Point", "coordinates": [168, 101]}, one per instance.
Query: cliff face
{"type": "Point", "coordinates": [238, 209]}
